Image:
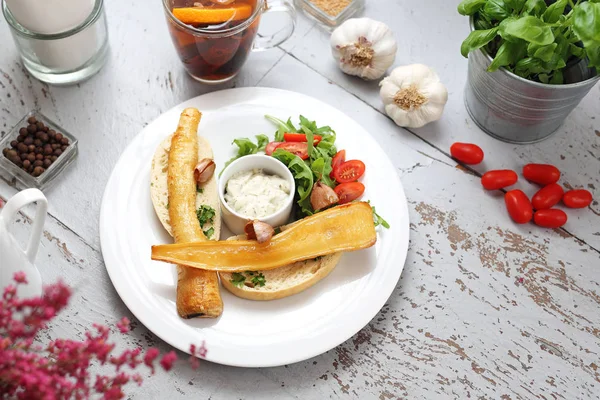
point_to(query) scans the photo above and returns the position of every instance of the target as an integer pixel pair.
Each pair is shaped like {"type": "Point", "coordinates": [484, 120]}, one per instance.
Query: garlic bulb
{"type": "Point", "coordinates": [413, 95]}
{"type": "Point", "coordinates": [364, 47]}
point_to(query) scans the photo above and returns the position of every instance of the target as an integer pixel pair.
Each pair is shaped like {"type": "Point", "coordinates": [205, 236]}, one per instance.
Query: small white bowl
{"type": "Point", "coordinates": [235, 221]}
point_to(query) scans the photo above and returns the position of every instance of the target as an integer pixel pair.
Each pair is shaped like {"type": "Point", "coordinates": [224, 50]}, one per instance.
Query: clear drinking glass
{"type": "Point", "coordinates": [66, 57]}
{"type": "Point", "coordinates": [214, 38]}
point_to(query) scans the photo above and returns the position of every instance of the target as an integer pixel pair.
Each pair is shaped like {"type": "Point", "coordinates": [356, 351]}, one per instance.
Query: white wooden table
{"type": "Point", "coordinates": [484, 308]}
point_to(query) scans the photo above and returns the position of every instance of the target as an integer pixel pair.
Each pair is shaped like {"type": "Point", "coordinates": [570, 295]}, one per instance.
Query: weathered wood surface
{"type": "Point", "coordinates": [484, 308]}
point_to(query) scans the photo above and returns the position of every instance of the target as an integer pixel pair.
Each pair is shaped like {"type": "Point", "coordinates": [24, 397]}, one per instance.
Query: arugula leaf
{"type": "Point", "coordinates": [377, 219]}
{"type": "Point", "coordinates": [477, 39]}
{"type": "Point", "coordinates": [237, 279]}
{"type": "Point", "coordinates": [259, 280]}
{"type": "Point", "coordinates": [321, 168]}
{"type": "Point", "coordinates": [262, 142]}
{"type": "Point", "coordinates": [246, 147]}
{"type": "Point", "coordinates": [470, 7]}
{"type": "Point", "coordinates": [303, 176]}
{"type": "Point", "coordinates": [283, 127]}
{"type": "Point", "coordinates": [199, 189]}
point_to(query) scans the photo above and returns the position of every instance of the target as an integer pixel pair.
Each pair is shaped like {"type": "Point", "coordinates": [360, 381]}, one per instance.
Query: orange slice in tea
{"type": "Point", "coordinates": [198, 16]}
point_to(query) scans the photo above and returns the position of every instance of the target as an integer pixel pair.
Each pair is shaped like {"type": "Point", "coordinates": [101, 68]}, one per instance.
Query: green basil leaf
{"type": "Point", "coordinates": [554, 11]}
{"type": "Point", "coordinates": [586, 23]}
{"type": "Point", "coordinates": [476, 40]}
{"type": "Point", "coordinates": [508, 54]}
{"type": "Point", "coordinates": [576, 51]}
{"type": "Point", "coordinates": [544, 53]}
{"type": "Point", "coordinates": [544, 78]}
{"type": "Point", "coordinates": [516, 5]}
{"type": "Point", "coordinates": [470, 7]}
{"type": "Point", "coordinates": [535, 7]}
{"type": "Point", "coordinates": [557, 78]}
{"type": "Point", "coordinates": [528, 28]}
{"type": "Point", "coordinates": [498, 10]}
{"type": "Point", "coordinates": [593, 55]}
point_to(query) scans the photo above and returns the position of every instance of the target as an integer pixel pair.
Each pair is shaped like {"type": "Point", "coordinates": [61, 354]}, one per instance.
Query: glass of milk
{"type": "Point", "coordinates": [60, 42]}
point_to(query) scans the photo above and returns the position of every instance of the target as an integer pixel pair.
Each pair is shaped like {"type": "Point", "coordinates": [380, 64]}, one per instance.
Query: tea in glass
{"type": "Point", "coordinates": [213, 37]}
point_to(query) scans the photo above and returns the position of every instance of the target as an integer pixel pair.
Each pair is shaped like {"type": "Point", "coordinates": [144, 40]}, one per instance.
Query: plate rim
{"type": "Point", "coordinates": [318, 349]}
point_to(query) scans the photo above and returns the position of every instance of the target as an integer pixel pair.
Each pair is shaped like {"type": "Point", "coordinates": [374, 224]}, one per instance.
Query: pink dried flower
{"type": "Point", "coordinates": [60, 369]}
{"type": "Point", "coordinates": [167, 360]}
{"type": "Point", "coordinates": [123, 325]}
{"type": "Point", "coordinates": [20, 277]}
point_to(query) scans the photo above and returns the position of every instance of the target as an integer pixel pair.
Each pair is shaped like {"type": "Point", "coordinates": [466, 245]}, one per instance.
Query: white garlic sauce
{"type": "Point", "coordinates": [255, 194]}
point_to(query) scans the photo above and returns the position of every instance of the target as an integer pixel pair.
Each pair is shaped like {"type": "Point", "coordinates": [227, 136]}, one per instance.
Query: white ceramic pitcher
{"type": "Point", "coordinates": [13, 257]}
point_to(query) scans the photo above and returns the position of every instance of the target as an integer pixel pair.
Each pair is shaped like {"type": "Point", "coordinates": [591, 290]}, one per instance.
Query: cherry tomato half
{"type": "Point", "coordinates": [348, 192]}
{"type": "Point", "coordinates": [543, 174]}
{"type": "Point", "coordinates": [467, 153]}
{"type": "Point", "coordinates": [339, 158]}
{"type": "Point", "coordinates": [499, 179]}
{"type": "Point", "coordinates": [580, 198]}
{"type": "Point", "coordinates": [349, 171]}
{"type": "Point", "coordinates": [299, 149]}
{"type": "Point", "coordinates": [552, 218]}
{"type": "Point", "coordinates": [271, 148]}
{"type": "Point", "coordinates": [518, 206]}
{"type": "Point", "coordinates": [300, 137]}
{"type": "Point", "coordinates": [547, 197]}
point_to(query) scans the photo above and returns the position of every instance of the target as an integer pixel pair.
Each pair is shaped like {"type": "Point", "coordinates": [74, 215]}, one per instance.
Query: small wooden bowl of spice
{"type": "Point", "coordinates": [330, 13]}
{"type": "Point", "coordinates": [36, 150]}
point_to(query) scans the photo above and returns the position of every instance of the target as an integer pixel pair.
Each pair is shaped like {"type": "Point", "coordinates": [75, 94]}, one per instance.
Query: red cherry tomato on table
{"type": "Point", "coordinates": [300, 137]}
{"type": "Point", "coordinates": [544, 174]}
{"type": "Point", "coordinates": [518, 206]}
{"type": "Point", "coordinates": [349, 171]}
{"type": "Point", "coordinates": [339, 158]}
{"type": "Point", "coordinates": [552, 218]}
{"type": "Point", "coordinates": [299, 149]}
{"type": "Point", "coordinates": [348, 192]}
{"type": "Point", "coordinates": [499, 179]}
{"type": "Point", "coordinates": [271, 148]}
{"type": "Point", "coordinates": [580, 198]}
{"type": "Point", "coordinates": [547, 197]}
{"type": "Point", "coordinates": [467, 153]}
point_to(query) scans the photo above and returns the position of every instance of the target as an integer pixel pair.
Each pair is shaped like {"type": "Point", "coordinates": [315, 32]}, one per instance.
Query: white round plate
{"type": "Point", "coordinates": [251, 333]}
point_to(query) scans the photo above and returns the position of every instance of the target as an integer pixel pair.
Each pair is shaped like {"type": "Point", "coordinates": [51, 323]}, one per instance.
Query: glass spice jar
{"type": "Point", "coordinates": [330, 13]}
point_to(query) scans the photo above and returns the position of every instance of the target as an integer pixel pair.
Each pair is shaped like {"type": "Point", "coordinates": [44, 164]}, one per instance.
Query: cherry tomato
{"type": "Point", "coordinates": [349, 171]}
{"type": "Point", "coordinates": [543, 174]}
{"type": "Point", "coordinates": [467, 153]}
{"type": "Point", "coordinates": [552, 218]}
{"type": "Point", "coordinates": [299, 149]}
{"type": "Point", "coordinates": [547, 197]}
{"type": "Point", "coordinates": [348, 192]}
{"type": "Point", "coordinates": [518, 206]}
{"type": "Point", "coordinates": [499, 179]}
{"type": "Point", "coordinates": [271, 147]}
{"type": "Point", "coordinates": [580, 198]}
{"type": "Point", "coordinates": [300, 137]}
{"type": "Point", "coordinates": [339, 158]}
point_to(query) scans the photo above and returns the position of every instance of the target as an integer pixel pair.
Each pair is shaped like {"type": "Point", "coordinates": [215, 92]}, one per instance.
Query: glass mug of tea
{"type": "Point", "coordinates": [214, 37]}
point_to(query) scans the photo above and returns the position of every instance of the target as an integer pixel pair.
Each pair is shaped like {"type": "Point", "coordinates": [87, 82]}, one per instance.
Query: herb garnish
{"type": "Point", "coordinates": [206, 215]}
{"type": "Point", "coordinates": [257, 278]}
{"type": "Point", "coordinates": [237, 279]}
{"type": "Point", "coordinates": [199, 190]}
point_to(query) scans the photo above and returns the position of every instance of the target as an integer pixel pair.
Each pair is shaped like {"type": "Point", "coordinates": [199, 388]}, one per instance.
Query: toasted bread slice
{"type": "Point", "coordinates": [159, 190]}
{"type": "Point", "coordinates": [283, 281]}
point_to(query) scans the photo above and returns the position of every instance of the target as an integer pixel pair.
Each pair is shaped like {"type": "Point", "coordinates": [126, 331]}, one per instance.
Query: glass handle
{"type": "Point", "coordinates": [265, 42]}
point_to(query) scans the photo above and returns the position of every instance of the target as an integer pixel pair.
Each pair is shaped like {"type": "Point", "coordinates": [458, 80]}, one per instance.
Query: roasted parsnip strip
{"type": "Point", "coordinates": [343, 228]}
{"type": "Point", "coordinates": [197, 290]}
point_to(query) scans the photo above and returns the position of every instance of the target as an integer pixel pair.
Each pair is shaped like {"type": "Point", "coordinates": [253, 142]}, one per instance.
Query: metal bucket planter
{"type": "Point", "coordinates": [517, 110]}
